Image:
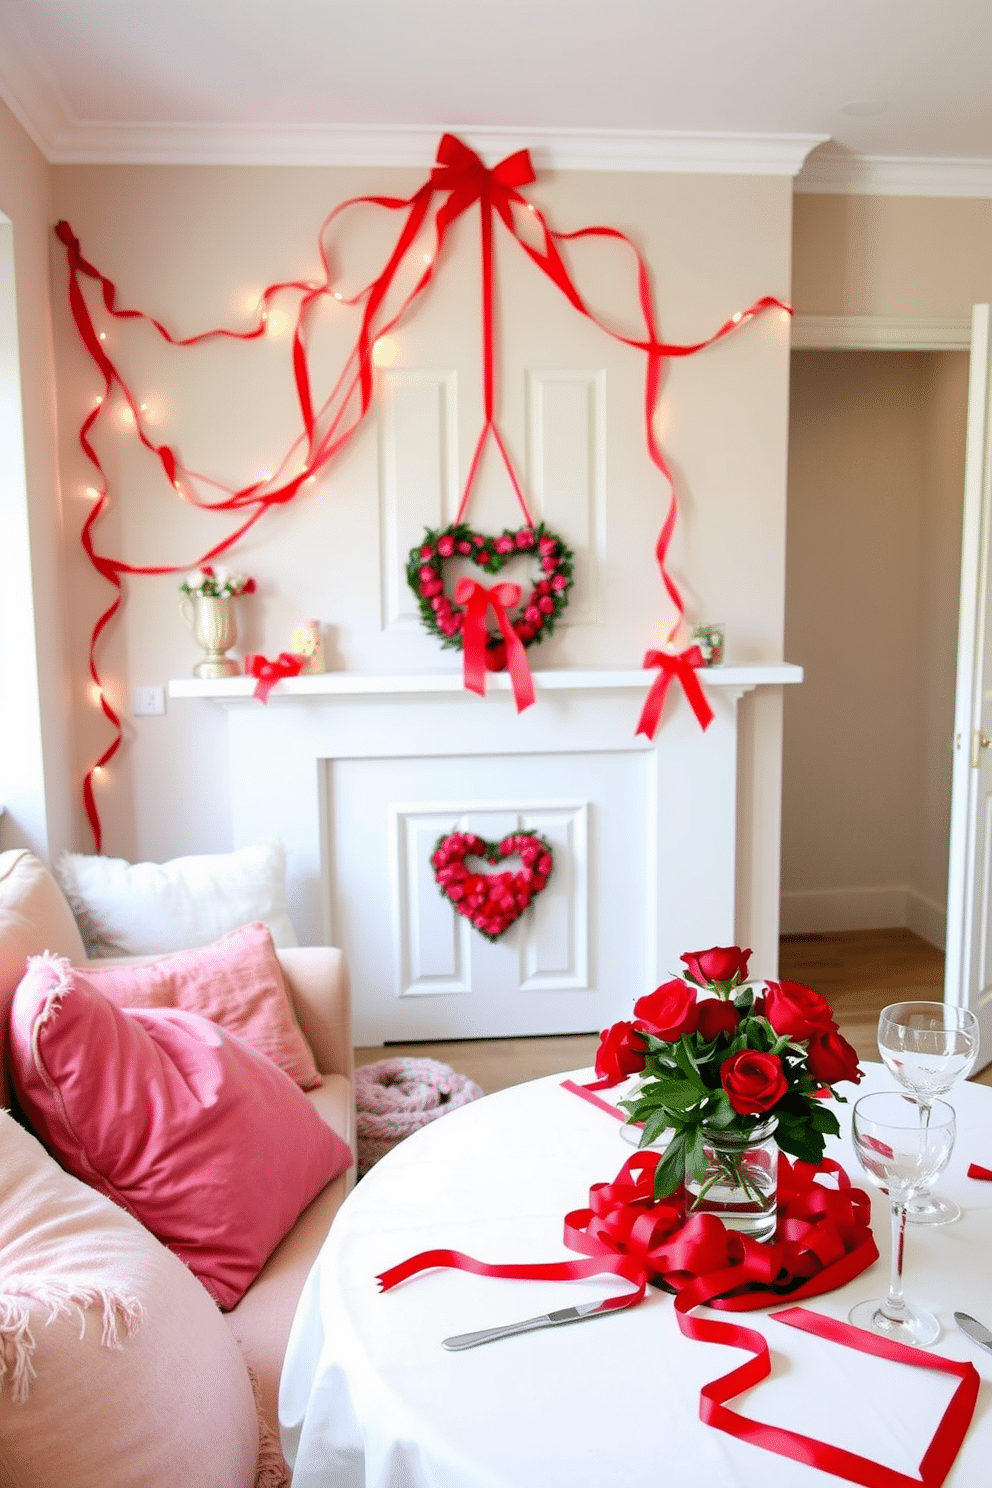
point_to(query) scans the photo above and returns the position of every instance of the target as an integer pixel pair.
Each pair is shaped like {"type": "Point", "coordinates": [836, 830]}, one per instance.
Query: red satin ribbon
{"type": "Point", "coordinates": [269, 673]}
{"type": "Point", "coordinates": [682, 665]}
{"type": "Point", "coordinates": [940, 1454]}
{"type": "Point", "coordinates": [461, 178]}
{"type": "Point", "coordinates": [824, 1241]}
{"type": "Point", "coordinates": [976, 1171]}
{"type": "Point", "coordinates": [478, 600]}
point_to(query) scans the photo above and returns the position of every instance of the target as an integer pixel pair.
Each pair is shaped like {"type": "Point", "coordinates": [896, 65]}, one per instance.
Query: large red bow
{"type": "Point", "coordinates": [682, 665]}
{"type": "Point", "coordinates": [478, 600]}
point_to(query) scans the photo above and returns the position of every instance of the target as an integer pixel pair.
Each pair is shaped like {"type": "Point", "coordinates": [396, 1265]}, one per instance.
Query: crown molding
{"type": "Point", "coordinates": [880, 333]}
{"type": "Point", "coordinates": [829, 172]}
{"type": "Point", "coordinates": [416, 146]}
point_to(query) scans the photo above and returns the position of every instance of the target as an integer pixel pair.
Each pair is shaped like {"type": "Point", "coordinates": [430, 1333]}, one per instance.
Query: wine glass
{"type": "Point", "coordinates": [928, 1046]}
{"type": "Point", "coordinates": [901, 1154]}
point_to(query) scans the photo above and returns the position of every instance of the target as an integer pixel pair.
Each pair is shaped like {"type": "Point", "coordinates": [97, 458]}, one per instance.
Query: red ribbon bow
{"type": "Point", "coordinates": [823, 1241]}
{"type": "Point", "coordinates": [683, 666]}
{"type": "Point", "coordinates": [477, 600]}
{"type": "Point", "coordinates": [271, 672]}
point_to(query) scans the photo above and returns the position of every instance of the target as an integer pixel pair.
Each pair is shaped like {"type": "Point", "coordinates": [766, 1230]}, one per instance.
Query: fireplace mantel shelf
{"type": "Point", "coordinates": [235, 690]}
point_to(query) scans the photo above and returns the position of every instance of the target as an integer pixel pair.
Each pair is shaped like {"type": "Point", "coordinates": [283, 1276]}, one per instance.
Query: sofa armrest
{"type": "Point", "coordinates": [317, 979]}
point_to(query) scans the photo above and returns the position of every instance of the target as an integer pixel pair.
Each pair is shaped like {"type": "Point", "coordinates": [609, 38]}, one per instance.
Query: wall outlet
{"type": "Point", "coordinates": [146, 701]}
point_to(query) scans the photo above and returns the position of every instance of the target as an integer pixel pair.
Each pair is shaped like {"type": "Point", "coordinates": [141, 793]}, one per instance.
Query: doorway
{"type": "Point", "coordinates": [876, 475]}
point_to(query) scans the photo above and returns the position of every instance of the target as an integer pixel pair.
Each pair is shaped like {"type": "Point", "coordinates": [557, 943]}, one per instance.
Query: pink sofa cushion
{"type": "Point", "coordinates": [119, 1368]}
{"type": "Point", "coordinates": [187, 1127]}
{"type": "Point", "coordinates": [237, 982]}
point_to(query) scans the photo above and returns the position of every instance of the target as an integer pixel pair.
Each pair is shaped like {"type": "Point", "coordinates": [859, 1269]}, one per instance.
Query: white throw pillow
{"type": "Point", "coordinates": [145, 909]}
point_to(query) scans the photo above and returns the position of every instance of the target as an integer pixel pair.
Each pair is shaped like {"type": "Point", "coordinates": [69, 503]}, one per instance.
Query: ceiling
{"type": "Point", "coordinates": [879, 94]}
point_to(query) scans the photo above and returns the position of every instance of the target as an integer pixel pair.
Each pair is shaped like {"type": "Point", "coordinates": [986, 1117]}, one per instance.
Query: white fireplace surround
{"type": "Point", "coordinates": [358, 775]}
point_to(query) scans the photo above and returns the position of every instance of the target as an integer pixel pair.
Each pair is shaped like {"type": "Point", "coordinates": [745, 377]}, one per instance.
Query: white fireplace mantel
{"type": "Point", "coordinates": [359, 775]}
{"type": "Point", "coordinates": [230, 690]}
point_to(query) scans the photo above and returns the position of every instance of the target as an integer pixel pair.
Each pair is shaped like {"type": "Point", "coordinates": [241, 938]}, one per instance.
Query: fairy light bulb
{"type": "Point", "coordinates": [737, 317]}
{"type": "Point", "coordinates": [99, 772]}
{"type": "Point", "coordinates": [96, 694]}
{"type": "Point", "coordinates": [384, 351]}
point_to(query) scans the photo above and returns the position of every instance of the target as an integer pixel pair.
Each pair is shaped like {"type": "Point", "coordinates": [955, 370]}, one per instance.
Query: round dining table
{"type": "Point", "coordinates": [371, 1399]}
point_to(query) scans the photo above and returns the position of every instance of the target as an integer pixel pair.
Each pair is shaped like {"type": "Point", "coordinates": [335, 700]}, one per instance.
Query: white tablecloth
{"type": "Point", "coordinates": [370, 1399]}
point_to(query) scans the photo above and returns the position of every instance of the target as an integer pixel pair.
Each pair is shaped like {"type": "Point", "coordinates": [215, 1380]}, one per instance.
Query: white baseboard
{"type": "Point", "coordinates": [806, 911]}
{"type": "Point", "coordinates": [926, 918]}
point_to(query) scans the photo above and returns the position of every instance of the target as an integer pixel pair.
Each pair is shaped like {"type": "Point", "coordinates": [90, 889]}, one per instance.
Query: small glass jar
{"type": "Point", "coordinates": [740, 1182]}
{"type": "Point", "coordinates": [710, 640]}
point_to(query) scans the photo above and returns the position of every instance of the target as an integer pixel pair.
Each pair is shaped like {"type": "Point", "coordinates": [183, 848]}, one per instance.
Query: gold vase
{"type": "Point", "coordinates": [214, 625]}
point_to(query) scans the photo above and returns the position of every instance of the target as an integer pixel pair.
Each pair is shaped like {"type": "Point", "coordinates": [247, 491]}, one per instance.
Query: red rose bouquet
{"type": "Point", "coordinates": [728, 1061]}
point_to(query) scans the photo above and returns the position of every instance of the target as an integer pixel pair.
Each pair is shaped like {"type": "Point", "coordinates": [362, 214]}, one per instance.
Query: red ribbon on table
{"type": "Point", "coordinates": [681, 665]}
{"type": "Point", "coordinates": [976, 1171]}
{"type": "Point", "coordinates": [269, 673]}
{"type": "Point", "coordinates": [478, 600]}
{"type": "Point", "coordinates": [824, 1241]}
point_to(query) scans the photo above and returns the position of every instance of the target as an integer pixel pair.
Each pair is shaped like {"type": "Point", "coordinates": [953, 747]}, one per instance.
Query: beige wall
{"type": "Point", "coordinates": [36, 769]}
{"type": "Point", "coordinates": [891, 255]}
{"type": "Point", "coordinates": [194, 245]}
{"type": "Point", "coordinates": [875, 480]}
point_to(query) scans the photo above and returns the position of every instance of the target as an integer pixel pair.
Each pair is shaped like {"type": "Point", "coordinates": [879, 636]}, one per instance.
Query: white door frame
{"type": "Point", "coordinates": [904, 333]}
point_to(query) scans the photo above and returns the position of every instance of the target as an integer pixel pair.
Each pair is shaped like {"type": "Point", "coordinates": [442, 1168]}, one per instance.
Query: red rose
{"type": "Point", "coordinates": [718, 964]}
{"type": "Point", "coordinates": [464, 548]}
{"type": "Point", "coordinates": [559, 582]}
{"type": "Point", "coordinates": [505, 544]}
{"type": "Point", "coordinates": [797, 1012]}
{"type": "Point", "coordinates": [669, 1011]}
{"type": "Point", "coordinates": [716, 1017]}
{"type": "Point", "coordinates": [831, 1058]}
{"type": "Point", "coordinates": [547, 604]}
{"type": "Point", "coordinates": [446, 545]}
{"type": "Point", "coordinates": [754, 1082]}
{"type": "Point", "coordinates": [525, 538]}
{"type": "Point", "coordinates": [621, 1053]}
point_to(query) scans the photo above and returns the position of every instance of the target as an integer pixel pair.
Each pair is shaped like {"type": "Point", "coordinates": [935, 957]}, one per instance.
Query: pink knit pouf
{"type": "Point", "coordinates": [398, 1096]}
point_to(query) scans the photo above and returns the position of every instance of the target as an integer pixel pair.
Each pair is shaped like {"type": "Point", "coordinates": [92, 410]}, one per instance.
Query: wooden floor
{"type": "Point", "coordinates": [858, 971]}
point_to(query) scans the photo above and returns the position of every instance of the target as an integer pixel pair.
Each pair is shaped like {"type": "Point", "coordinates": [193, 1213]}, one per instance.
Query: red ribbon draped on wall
{"type": "Point", "coordinates": [458, 181]}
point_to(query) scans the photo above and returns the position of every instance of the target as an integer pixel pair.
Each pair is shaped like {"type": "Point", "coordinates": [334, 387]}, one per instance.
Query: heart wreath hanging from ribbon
{"type": "Point", "coordinates": [452, 617]}
{"type": "Point", "coordinates": [492, 901]}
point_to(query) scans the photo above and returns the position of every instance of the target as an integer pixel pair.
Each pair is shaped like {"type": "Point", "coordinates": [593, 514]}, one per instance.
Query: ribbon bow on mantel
{"type": "Point", "coordinates": [477, 600]}
{"type": "Point", "coordinates": [681, 664]}
{"type": "Point", "coordinates": [269, 673]}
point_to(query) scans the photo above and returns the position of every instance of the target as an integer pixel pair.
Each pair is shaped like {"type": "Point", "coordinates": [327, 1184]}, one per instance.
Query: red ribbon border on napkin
{"type": "Point", "coordinates": [944, 1445]}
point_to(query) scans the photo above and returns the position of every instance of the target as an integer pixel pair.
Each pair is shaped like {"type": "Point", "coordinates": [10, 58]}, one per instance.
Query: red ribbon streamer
{"type": "Point", "coordinates": [269, 673]}
{"type": "Point", "coordinates": [976, 1171]}
{"type": "Point", "coordinates": [681, 665]}
{"type": "Point", "coordinates": [940, 1454]}
{"type": "Point", "coordinates": [824, 1241]}
{"type": "Point", "coordinates": [460, 176]}
{"type": "Point", "coordinates": [478, 600]}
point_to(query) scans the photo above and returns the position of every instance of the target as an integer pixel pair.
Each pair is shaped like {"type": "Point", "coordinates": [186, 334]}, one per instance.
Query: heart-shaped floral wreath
{"type": "Point", "coordinates": [492, 901]}
{"type": "Point", "coordinates": [536, 615]}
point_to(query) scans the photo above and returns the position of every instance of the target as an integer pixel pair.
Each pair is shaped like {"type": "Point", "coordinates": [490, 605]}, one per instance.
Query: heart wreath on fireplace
{"type": "Point", "coordinates": [492, 901]}
{"type": "Point", "coordinates": [535, 616]}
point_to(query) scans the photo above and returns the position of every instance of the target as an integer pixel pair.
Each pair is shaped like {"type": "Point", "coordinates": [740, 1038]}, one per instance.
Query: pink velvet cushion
{"type": "Point", "coordinates": [237, 982]}
{"type": "Point", "coordinates": [187, 1127]}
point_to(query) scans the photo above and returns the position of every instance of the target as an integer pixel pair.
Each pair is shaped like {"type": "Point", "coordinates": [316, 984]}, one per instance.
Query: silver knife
{"type": "Point", "coordinates": [975, 1330]}
{"type": "Point", "coordinates": [548, 1320]}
